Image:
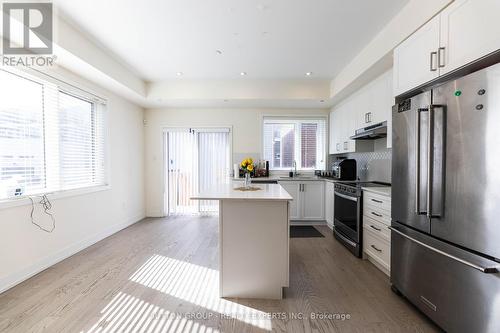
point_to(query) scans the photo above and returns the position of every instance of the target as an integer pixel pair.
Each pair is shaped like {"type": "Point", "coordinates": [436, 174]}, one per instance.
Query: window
{"type": "Point", "coordinates": [302, 140]}
{"type": "Point", "coordinates": [51, 136]}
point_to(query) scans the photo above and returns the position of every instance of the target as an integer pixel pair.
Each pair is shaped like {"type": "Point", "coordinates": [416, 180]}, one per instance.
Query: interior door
{"type": "Point", "coordinates": [468, 214]}
{"type": "Point", "coordinates": [409, 162]}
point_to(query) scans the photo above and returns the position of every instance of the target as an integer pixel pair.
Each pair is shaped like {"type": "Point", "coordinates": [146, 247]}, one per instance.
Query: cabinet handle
{"type": "Point", "coordinates": [377, 201]}
{"type": "Point", "coordinates": [441, 57]}
{"type": "Point", "coordinates": [379, 215]}
{"type": "Point", "coordinates": [373, 227]}
{"type": "Point", "coordinates": [432, 55]}
{"type": "Point", "coordinates": [374, 247]}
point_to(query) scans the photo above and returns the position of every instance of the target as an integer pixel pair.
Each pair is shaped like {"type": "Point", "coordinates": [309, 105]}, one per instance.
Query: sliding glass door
{"type": "Point", "coordinates": [196, 159]}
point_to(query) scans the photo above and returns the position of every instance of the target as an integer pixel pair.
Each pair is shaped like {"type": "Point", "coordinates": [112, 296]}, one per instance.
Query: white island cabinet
{"type": "Point", "coordinates": [253, 240]}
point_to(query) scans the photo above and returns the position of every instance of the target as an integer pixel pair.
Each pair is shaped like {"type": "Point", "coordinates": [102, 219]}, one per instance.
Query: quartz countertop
{"type": "Point", "coordinates": [227, 191]}
{"type": "Point", "coordinates": [382, 190]}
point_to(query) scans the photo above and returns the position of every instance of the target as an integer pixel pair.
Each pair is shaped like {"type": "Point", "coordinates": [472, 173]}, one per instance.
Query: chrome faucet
{"type": "Point", "coordinates": [294, 166]}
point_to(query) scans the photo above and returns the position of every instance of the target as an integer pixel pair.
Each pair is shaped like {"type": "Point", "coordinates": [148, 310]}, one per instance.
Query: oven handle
{"type": "Point", "coordinates": [355, 199]}
{"type": "Point", "coordinates": [345, 239]}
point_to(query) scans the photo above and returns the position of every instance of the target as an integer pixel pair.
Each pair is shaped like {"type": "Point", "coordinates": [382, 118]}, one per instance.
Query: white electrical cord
{"type": "Point", "coordinates": [47, 206]}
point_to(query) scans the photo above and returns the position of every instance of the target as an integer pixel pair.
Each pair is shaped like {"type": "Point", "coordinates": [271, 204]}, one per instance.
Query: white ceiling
{"type": "Point", "coordinates": [279, 39]}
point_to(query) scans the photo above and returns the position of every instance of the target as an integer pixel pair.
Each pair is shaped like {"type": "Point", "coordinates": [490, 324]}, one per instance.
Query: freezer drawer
{"type": "Point", "coordinates": [445, 282]}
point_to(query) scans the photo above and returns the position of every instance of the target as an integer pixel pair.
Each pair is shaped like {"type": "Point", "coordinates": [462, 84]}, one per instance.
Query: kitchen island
{"type": "Point", "coordinates": [253, 239]}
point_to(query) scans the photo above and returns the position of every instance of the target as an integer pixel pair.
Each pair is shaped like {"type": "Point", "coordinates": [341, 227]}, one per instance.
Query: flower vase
{"type": "Point", "coordinates": [247, 180]}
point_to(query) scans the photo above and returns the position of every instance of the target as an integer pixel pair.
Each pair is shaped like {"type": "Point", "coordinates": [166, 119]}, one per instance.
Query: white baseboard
{"type": "Point", "coordinates": [15, 278]}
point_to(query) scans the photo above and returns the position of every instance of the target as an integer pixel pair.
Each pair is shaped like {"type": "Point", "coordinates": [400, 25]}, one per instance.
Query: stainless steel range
{"type": "Point", "coordinates": [348, 214]}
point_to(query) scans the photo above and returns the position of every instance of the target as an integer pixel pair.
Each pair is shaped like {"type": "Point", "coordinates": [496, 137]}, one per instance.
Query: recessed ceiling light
{"type": "Point", "coordinates": [179, 73]}
{"type": "Point", "coordinates": [309, 73]}
{"type": "Point", "coordinates": [218, 51]}
{"type": "Point", "coordinates": [243, 73]}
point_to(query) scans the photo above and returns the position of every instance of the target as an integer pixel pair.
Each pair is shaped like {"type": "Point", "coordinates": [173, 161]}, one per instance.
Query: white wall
{"type": "Point", "coordinates": [84, 219]}
{"type": "Point", "coordinates": [247, 138]}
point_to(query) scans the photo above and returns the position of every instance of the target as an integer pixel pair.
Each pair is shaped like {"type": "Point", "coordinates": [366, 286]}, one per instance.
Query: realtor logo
{"type": "Point", "coordinates": [27, 28]}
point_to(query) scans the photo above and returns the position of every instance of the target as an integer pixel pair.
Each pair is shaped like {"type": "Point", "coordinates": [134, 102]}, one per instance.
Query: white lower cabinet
{"type": "Point", "coordinates": [292, 188]}
{"type": "Point", "coordinates": [376, 233]}
{"type": "Point", "coordinates": [329, 203]}
{"type": "Point", "coordinates": [308, 199]}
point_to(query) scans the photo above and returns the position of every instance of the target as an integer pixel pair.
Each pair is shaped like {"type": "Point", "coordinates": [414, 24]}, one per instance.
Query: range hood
{"type": "Point", "coordinates": [371, 132]}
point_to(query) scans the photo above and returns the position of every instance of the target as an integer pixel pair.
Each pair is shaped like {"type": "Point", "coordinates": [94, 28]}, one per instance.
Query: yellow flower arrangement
{"type": "Point", "coordinates": [247, 165]}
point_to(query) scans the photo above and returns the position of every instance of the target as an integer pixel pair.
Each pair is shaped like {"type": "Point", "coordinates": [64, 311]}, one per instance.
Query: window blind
{"type": "Point", "coordinates": [288, 140]}
{"type": "Point", "coordinates": [52, 136]}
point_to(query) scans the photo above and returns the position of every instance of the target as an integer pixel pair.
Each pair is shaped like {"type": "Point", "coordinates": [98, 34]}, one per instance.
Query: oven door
{"type": "Point", "coordinates": [346, 213]}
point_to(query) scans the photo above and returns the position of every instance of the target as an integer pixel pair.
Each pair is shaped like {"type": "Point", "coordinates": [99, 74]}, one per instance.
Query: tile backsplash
{"type": "Point", "coordinates": [373, 166]}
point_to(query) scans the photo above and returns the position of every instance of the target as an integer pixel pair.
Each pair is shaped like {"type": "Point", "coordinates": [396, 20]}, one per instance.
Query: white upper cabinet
{"type": "Point", "coordinates": [470, 29]}
{"type": "Point", "coordinates": [332, 131]}
{"type": "Point", "coordinates": [464, 31]}
{"type": "Point", "coordinates": [369, 105]}
{"type": "Point", "coordinates": [415, 60]}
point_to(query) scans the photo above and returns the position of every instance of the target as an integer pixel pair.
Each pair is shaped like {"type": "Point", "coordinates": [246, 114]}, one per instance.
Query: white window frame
{"type": "Point", "coordinates": [297, 152]}
{"type": "Point", "coordinates": [98, 103]}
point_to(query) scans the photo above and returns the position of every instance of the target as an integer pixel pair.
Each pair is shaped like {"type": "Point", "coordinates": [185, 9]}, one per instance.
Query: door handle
{"type": "Point", "coordinates": [432, 56]}
{"type": "Point", "coordinates": [374, 227]}
{"type": "Point", "coordinates": [375, 248]}
{"type": "Point", "coordinates": [493, 268]}
{"type": "Point", "coordinates": [441, 57]}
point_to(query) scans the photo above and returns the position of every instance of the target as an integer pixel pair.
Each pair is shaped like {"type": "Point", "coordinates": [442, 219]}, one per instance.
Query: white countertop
{"type": "Point", "coordinates": [283, 178]}
{"type": "Point", "coordinates": [227, 191]}
{"type": "Point", "coordinates": [382, 190]}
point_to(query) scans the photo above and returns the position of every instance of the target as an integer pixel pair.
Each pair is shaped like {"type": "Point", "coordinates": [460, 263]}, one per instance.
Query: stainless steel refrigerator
{"type": "Point", "coordinates": [445, 251]}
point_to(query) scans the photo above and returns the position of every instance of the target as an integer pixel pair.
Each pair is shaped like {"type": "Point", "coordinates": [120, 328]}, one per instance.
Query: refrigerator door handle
{"type": "Point", "coordinates": [493, 268]}
{"type": "Point", "coordinates": [430, 160]}
{"type": "Point", "coordinates": [430, 155]}
{"type": "Point", "coordinates": [417, 162]}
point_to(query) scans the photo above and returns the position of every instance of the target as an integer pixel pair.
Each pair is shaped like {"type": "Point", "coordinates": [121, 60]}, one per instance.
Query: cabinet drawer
{"type": "Point", "coordinates": [378, 249]}
{"type": "Point", "coordinates": [377, 201]}
{"type": "Point", "coordinates": [377, 214]}
{"type": "Point", "coordinates": [380, 229]}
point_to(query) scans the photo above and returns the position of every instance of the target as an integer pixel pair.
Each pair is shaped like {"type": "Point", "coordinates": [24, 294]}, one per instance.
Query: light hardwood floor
{"type": "Point", "coordinates": [160, 275]}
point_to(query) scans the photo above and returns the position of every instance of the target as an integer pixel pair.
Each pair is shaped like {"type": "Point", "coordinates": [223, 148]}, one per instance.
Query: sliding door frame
{"type": "Point", "coordinates": [165, 130]}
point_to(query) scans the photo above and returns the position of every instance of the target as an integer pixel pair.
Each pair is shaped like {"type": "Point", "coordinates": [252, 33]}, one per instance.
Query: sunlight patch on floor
{"type": "Point", "coordinates": [126, 313]}
{"type": "Point", "coordinates": [197, 285]}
